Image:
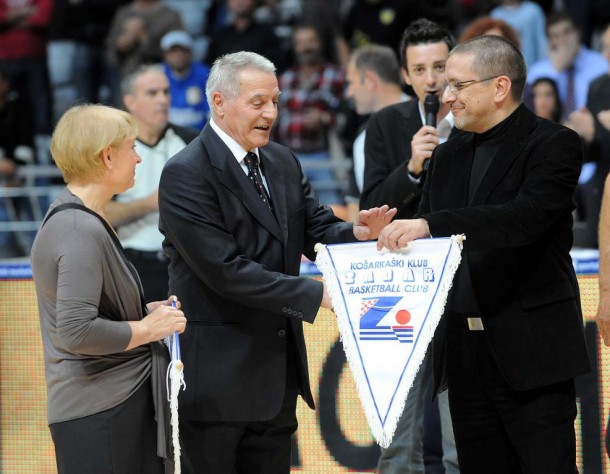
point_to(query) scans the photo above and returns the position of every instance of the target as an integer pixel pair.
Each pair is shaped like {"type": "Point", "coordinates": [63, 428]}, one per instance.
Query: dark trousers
{"type": "Point", "coordinates": [121, 440]}
{"type": "Point", "coordinates": [152, 269]}
{"type": "Point", "coordinates": [259, 447]}
{"type": "Point", "coordinates": [500, 430]}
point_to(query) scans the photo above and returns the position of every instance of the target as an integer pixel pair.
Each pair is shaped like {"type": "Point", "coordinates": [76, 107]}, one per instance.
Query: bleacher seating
{"type": "Point", "coordinates": [27, 203]}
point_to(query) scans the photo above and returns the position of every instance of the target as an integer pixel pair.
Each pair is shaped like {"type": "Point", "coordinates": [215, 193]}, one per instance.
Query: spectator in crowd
{"type": "Point", "coordinates": [547, 103]}
{"type": "Point", "coordinates": [279, 12]}
{"type": "Point", "coordinates": [311, 94]}
{"type": "Point", "coordinates": [373, 82]}
{"type": "Point", "coordinates": [16, 148]}
{"type": "Point", "coordinates": [86, 24]}
{"type": "Point", "coordinates": [135, 38]}
{"type": "Point", "coordinates": [593, 125]}
{"type": "Point", "coordinates": [591, 15]}
{"type": "Point", "coordinates": [377, 21]}
{"type": "Point", "coordinates": [383, 21]}
{"type": "Point", "coordinates": [571, 65]}
{"type": "Point", "coordinates": [187, 78]}
{"type": "Point", "coordinates": [105, 364]}
{"type": "Point", "coordinates": [473, 9]}
{"type": "Point", "coordinates": [235, 244]}
{"type": "Point", "coordinates": [546, 5]}
{"type": "Point", "coordinates": [528, 19]}
{"type": "Point", "coordinates": [507, 183]}
{"type": "Point", "coordinates": [244, 33]}
{"type": "Point", "coordinates": [397, 147]}
{"type": "Point", "coordinates": [593, 122]}
{"type": "Point", "coordinates": [24, 28]}
{"type": "Point", "coordinates": [486, 25]}
{"type": "Point", "coordinates": [135, 212]}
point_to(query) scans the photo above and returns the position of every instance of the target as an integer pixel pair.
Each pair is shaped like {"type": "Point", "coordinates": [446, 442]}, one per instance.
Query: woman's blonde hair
{"type": "Point", "coordinates": [82, 133]}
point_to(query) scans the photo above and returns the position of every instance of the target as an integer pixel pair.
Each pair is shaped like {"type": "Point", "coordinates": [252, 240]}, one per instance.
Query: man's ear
{"type": "Point", "coordinates": [371, 78]}
{"type": "Point", "coordinates": [218, 103]}
{"type": "Point", "coordinates": [504, 88]}
{"type": "Point", "coordinates": [128, 100]}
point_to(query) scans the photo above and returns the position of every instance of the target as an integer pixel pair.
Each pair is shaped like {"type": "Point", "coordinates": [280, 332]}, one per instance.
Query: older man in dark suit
{"type": "Point", "coordinates": [511, 340]}
{"type": "Point", "coordinates": [237, 213]}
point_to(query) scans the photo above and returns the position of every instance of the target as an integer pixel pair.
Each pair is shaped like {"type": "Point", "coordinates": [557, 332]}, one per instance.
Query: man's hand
{"type": "Point", "coordinates": [314, 118]}
{"type": "Point", "coordinates": [370, 222]}
{"type": "Point", "coordinates": [422, 145]}
{"type": "Point", "coordinates": [399, 233]}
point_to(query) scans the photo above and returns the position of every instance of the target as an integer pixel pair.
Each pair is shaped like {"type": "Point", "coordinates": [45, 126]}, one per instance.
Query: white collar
{"type": "Point", "coordinates": [236, 149]}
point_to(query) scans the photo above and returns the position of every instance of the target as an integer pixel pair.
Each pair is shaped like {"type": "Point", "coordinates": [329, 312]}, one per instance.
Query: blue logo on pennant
{"type": "Point", "coordinates": [374, 310]}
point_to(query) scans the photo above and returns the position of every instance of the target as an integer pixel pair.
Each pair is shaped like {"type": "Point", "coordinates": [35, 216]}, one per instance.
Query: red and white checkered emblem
{"type": "Point", "coordinates": [366, 305]}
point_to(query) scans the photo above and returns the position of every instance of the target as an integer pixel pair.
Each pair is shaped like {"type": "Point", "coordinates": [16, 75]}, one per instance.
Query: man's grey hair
{"type": "Point", "coordinates": [128, 84]}
{"type": "Point", "coordinates": [224, 75]}
{"type": "Point", "coordinates": [496, 56]}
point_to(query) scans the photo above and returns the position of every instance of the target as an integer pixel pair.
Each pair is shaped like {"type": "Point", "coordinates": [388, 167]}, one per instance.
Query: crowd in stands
{"type": "Point", "coordinates": [56, 53]}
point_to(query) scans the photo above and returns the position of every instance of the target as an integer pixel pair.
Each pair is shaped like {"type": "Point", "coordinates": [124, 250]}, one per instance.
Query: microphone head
{"type": "Point", "coordinates": [431, 104]}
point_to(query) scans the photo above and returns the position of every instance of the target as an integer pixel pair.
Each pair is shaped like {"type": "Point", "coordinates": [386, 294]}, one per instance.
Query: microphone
{"type": "Point", "coordinates": [431, 106]}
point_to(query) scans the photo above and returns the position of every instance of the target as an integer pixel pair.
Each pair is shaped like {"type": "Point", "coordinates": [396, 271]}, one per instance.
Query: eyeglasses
{"type": "Point", "coordinates": [456, 87]}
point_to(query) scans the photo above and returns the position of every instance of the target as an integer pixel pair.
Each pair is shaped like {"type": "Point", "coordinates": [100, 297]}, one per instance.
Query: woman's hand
{"type": "Point", "coordinates": [162, 321]}
{"type": "Point", "coordinates": [168, 302]}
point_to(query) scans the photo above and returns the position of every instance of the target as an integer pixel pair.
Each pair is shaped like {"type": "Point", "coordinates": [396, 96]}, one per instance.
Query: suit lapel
{"type": "Point", "coordinates": [410, 114]}
{"type": "Point", "coordinates": [274, 175]}
{"type": "Point", "coordinates": [230, 174]}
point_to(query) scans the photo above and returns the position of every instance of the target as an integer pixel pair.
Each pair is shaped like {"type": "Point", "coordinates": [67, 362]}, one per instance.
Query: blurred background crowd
{"type": "Point", "coordinates": [55, 53]}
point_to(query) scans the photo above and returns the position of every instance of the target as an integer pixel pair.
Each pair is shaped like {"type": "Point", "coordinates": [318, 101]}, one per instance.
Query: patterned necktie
{"type": "Point", "coordinates": [254, 175]}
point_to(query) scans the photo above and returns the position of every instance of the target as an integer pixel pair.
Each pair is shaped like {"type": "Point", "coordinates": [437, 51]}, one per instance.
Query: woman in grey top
{"type": "Point", "coordinates": [104, 363]}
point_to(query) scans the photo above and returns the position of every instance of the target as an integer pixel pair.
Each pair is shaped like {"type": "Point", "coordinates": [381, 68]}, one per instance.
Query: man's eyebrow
{"type": "Point", "coordinates": [263, 96]}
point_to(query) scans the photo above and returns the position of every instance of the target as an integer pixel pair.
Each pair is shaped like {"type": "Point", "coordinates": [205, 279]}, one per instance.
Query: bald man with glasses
{"type": "Point", "coordinates": [511, 340]}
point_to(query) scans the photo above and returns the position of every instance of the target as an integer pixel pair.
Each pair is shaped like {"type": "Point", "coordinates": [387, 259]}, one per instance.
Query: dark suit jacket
{"type": "Point", "coordinates": [235, 269]}
{"type": "Point", "coordinates": [518, 239]}
{"type": "Point", "coordinates": [387, 150]}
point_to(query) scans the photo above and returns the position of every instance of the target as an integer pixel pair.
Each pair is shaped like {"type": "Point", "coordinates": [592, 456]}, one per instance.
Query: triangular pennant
{"type": "Point", "coordinates": [388, 305]}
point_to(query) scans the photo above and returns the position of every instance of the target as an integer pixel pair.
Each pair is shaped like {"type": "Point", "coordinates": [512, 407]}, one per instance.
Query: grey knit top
{"type": "Point", "coordinates": [86, 295]}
